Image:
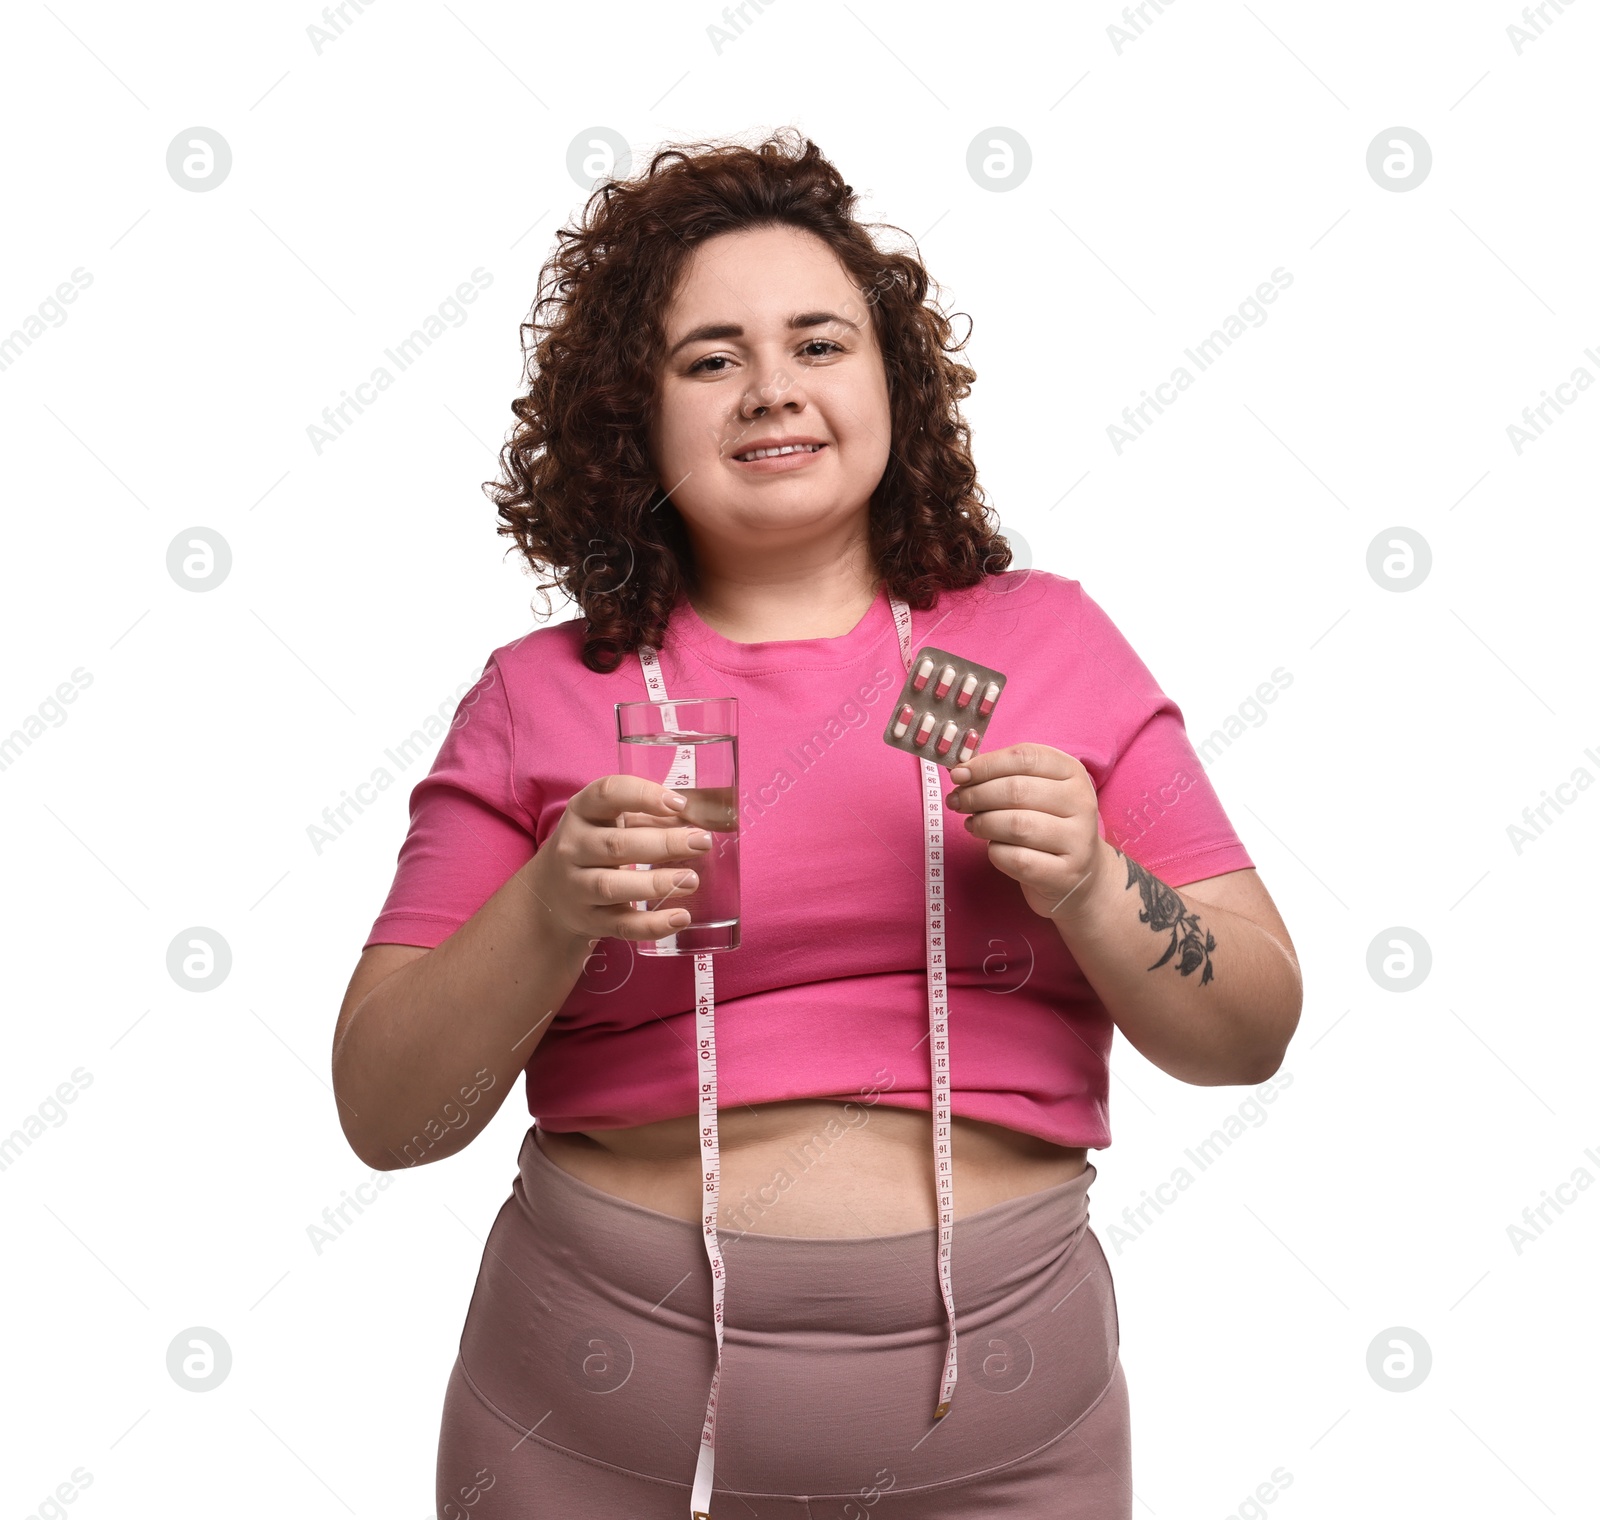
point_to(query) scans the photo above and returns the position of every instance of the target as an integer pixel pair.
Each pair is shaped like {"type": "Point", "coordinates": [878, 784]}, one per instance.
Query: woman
{"type": "Point", "coordinates": [741, 446]}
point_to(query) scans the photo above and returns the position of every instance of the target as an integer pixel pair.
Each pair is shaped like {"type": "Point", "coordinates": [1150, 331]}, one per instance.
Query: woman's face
{"type": "Point", "coordinates": [769, 342]}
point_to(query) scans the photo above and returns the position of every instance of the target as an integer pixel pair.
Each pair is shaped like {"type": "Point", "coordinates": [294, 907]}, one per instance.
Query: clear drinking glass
{"type": "Point", "coordinates": [692, 747]}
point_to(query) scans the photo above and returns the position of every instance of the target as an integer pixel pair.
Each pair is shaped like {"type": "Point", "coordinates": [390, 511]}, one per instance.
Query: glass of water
{"type": "Point", "coordinates": [691, 747]}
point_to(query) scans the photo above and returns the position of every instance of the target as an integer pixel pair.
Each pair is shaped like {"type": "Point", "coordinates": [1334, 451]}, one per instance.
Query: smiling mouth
{"type": "Point", "coordinates": [788, 448]}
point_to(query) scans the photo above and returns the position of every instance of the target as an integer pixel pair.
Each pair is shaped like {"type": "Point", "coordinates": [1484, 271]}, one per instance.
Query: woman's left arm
{"type": "Point", "coordinates": [1204, 983]}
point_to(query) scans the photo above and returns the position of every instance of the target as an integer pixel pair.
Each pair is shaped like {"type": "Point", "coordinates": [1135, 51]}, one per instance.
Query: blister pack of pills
{"type": "Point", "coordinates": [944, 707]}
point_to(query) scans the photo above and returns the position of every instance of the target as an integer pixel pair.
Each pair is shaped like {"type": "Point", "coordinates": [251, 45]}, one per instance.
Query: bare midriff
{"type": "Point", "coordinates": [814, 1166]}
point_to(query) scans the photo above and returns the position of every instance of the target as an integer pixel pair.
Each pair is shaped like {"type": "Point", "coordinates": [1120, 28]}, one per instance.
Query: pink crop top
{"type": "Point", "coordinates": [827, 995]}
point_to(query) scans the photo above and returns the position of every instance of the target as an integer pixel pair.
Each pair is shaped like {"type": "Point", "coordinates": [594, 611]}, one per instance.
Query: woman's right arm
{"type": "Point", "coordinates": [429, 1042]}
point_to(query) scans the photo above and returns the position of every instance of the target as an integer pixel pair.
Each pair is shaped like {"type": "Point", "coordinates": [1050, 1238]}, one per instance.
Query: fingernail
{"type": "Point", "coordinates": [678, 920]}
{"type": "Point", "coordinates": [675, 800]}
{"type": "Point", "coordinates": [699, 839]}
{"type": "Point", "coordinates": [685, 879]}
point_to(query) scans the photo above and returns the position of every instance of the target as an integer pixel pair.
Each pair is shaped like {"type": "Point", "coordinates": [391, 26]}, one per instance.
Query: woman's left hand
{"type": "Point", "coordinates": [1037, 808]}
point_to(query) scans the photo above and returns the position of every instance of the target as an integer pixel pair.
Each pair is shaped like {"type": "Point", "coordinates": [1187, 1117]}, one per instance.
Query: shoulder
{"type": "Point", "coordinates": [549, 658]}
{"type": "Point", "coordinates": [1030, 600]}
{"type": "Point", "coordinates": [539, 672]}
{"type": "Point", "coordinates": [1051, 601]}
{"type": "Point", "coordinates": [557, 644]}
{"type": "Point", "coordinates": [1048, 628]}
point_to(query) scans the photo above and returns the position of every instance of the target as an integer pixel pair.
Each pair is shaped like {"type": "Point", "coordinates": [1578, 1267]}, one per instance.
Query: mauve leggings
{"type": "Point", "coordinates": [587, 1352]}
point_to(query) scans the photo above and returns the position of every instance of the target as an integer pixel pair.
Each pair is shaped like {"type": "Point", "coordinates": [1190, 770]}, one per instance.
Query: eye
{"type": "Point", "coordinates": [716, 364]}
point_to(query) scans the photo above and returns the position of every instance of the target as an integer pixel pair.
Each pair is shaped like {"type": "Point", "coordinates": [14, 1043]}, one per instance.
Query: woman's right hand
{"type": "Point", "coordinates": [581, 872]}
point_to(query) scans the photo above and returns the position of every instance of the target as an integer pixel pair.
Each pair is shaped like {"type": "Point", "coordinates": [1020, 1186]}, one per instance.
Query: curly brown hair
{"type": "Point", "coordinates": [579, 490]}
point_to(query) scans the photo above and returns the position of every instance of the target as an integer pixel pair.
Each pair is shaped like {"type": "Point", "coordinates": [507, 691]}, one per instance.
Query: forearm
{"type": "Point", "coordinates": [435, 1048]}
{"type": "Point", "coordinates": [1205, 994]}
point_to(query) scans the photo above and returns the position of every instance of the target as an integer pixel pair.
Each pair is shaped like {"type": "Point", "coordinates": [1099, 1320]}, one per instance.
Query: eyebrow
{"type": "Point", "coordinates": [715, 331]}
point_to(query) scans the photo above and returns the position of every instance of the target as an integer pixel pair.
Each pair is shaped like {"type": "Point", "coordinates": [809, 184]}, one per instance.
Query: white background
{"type": "Point", "coordinates": [367, 586]}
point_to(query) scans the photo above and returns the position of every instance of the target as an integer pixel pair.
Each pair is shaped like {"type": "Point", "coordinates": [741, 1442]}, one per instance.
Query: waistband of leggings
{"type": "Point", "coordinates": [869, 1282]}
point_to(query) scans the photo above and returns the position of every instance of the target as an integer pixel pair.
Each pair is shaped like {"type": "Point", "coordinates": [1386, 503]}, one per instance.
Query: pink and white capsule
{"type": "Point", "coordinates": [967, 688]}
{"type": "Point", "coordinates": [991, 694]}
{"type": "Point", "coordinates": [924, 728]}
{"type": "Point", "coordinates": [924, 670]}
{"type": "Point", "coordinates": [969, 746]}
{"type": "Point", "coordinates": [947, 737]}
{"type": "Point", "coordinates": [902, 720]}
{"type": "Point", "coordinates": [946, 678]}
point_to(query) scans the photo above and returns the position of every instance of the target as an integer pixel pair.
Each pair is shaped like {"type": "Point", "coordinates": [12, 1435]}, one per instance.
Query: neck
{"type": "Point", "coordinates": [817, 595]}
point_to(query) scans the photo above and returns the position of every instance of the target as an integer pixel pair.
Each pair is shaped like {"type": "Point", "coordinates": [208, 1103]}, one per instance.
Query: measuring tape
{"type": "Point", "coordinates": [682, 774]}
{"type": "Point", "coordinates": [938, 1025]}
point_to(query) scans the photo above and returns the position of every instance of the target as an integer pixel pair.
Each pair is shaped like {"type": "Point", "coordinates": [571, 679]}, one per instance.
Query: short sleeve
{"type": "Point", "coordinates": [470, 830]}
{"type": "Point", "coordinates": [1157, 804]}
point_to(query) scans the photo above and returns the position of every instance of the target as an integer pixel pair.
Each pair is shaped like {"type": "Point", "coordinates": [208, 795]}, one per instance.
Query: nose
{"type": "Point", "coordinates": [782, 394]}
{"type": "Point", "coordinates": [780, 388]}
